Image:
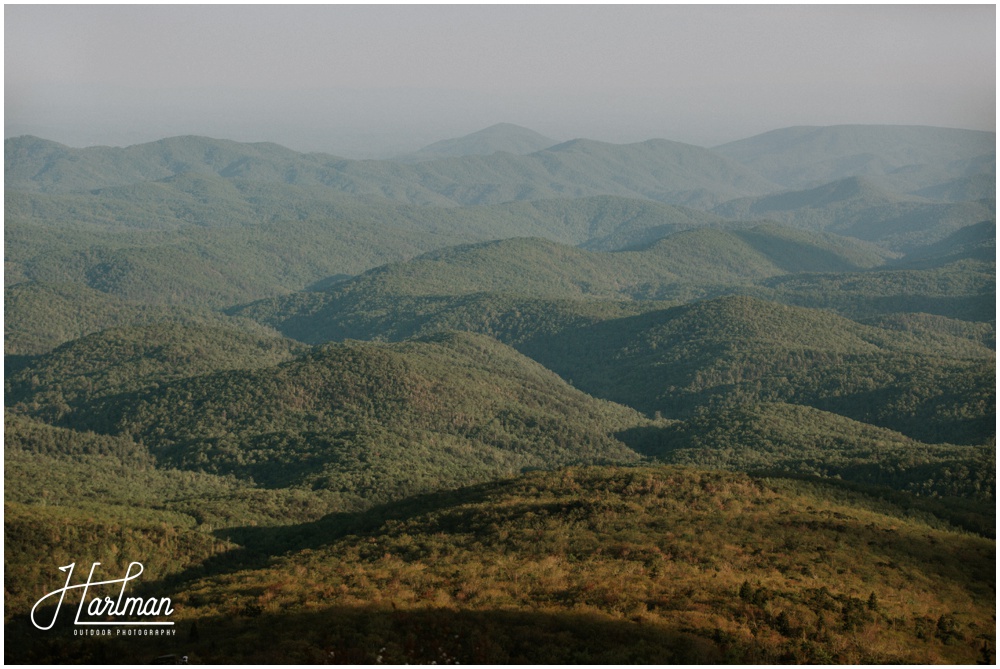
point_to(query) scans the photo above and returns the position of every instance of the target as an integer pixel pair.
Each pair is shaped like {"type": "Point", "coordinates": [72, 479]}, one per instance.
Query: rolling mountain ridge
{"type": "Point", "coordinates": [668, 172]}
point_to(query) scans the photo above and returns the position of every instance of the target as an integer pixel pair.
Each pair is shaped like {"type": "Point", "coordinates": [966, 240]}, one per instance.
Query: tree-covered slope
{"type": "Point", "coordinates": [738, 349]}
{"type": "Point", "coordinates": [965, 290]}
{"type": "Point", "coordinates": [318, 317]}
{"type": "Point", "coordinates": [904, 158]}
{"type": "Point", "coordinates": [40, 316]}
{"type": "Point", "coordinates": [605, 222]}
{"type": "Point", "coordinates": [128, 360]}
{"type": "Point", "coordinates": [977, 243]}
{"type": "Point", "coordinates": [366, 421]}
{"type": "Point", "coordinates": [587, 565]}
{"type": "Point", "coordinates": [925, 376]}
{"type": "Point", "coordinates": [717, 256]}
{"type": "Point", "coordinates": [655, 169]}
{"type": "Point", "coordinates": [147, 244]}
{"type": "Point", "coordinates": [517, 288]}
{"type": "Point", "coordinates": [935, 330]}
{"type": "Point", "coordinates": [857, 207]}
{"type": "Point", "coordinates": [114, 475]}
{"type": "Point", "coordinates": [540, 268]}
{"type": "Point", "coordinates": [797, 440]}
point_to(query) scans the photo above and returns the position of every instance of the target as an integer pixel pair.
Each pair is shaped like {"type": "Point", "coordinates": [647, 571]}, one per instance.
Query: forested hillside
{"type": "Point", "coordinates": [465, 287]}
{"type": "Point", "coordinates": [509, 400]}
{"type": "Point", "coordinates": [735, 350]}
{"type": "Point", "coordinates": [39, 316]}
{"type": "Point", "coordinates": [366, 422]}
{"type": "Point", "coordinates": [584, 565]}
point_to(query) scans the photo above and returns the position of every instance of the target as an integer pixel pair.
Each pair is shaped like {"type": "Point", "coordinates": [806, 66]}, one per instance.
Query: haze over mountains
{"type": "Point", "coordinates": [899, 156]}
{"type": "Point", "coordinates": [792, 157]}
{"type": "Point", "coordinates": [375, 372]}
{"type": "Point", "coordinates": [505, 137]}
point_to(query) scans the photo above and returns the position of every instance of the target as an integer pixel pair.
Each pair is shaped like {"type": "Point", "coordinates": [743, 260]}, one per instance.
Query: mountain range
{"type": "Point", "coordinates": [508, 398]}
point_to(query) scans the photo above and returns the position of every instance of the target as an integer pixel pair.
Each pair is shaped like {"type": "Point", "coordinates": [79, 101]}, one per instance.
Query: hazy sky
{"type": "Point", "coordinates": [371, 79]}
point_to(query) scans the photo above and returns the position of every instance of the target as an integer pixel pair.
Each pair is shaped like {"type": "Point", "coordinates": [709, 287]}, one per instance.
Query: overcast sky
{"type": "Point", "coordinates": [371, 80]}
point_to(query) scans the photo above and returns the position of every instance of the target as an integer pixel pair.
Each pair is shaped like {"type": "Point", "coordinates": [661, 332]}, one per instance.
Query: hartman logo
{"type": "Point", "coordinates": [102, 605]}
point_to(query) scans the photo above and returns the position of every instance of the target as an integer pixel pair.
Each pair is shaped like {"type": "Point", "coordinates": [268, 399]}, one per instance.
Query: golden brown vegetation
{"type": "Point", "coordinates": [599, 565]}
